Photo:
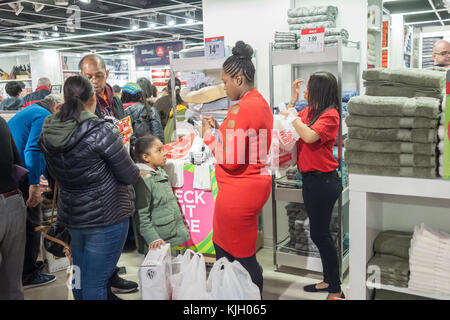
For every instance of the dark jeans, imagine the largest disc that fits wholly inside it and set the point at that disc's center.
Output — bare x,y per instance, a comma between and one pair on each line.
95,252
320,193
250,264
31,268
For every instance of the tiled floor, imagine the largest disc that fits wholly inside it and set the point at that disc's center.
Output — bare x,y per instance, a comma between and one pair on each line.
277,285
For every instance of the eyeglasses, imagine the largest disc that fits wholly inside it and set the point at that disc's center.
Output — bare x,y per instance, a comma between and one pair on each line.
98,76
443,53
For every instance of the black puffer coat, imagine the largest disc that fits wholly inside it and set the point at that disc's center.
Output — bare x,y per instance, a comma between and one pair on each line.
95,175
144,124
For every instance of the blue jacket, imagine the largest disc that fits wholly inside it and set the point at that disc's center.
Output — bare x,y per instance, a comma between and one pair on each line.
26,127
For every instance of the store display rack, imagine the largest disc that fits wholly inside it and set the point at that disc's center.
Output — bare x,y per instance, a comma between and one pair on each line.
381,203
337,56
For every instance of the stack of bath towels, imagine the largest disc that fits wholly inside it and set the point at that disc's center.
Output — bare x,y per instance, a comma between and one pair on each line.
285,41
389,265
317,17
429,261
395,135
299,231
371,50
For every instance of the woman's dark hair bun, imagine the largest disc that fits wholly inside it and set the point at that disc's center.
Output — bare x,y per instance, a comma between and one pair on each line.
243,50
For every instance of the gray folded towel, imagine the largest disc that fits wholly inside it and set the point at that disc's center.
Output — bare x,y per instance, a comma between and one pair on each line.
330,11
394,243
390,264
413,172
390,146
408,135
354,120
308,19
415,77
390,159
394,106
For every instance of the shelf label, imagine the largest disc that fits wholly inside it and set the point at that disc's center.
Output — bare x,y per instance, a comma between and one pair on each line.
215,48
312,40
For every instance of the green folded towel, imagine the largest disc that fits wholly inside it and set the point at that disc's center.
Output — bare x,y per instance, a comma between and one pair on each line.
412,76
390,146
354,120
394,243
395,106
390,159
408,135
397,91
413,172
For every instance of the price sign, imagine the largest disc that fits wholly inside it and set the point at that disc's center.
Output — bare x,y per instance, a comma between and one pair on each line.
312,40
215,48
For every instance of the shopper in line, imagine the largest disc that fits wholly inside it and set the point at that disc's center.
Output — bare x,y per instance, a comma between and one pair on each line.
95,174
441,53
318,126
164,104
12,219
158,215
145,118
43,89
26,127
235,222
149,89
14,102
93,67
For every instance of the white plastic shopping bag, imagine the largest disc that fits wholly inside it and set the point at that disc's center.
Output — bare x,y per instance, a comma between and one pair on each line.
230,281
154,274
287,135
190,282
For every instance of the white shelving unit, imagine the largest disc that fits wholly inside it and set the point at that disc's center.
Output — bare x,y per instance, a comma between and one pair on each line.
336,56
381,203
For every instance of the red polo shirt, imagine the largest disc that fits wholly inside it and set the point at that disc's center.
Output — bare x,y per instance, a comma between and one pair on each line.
318,156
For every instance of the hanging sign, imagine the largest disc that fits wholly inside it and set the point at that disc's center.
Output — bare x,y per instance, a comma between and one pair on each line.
215,48
156,54
312,40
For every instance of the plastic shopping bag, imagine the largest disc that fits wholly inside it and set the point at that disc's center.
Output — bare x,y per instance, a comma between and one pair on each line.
154,274
287,136
230,281
190,282
279,158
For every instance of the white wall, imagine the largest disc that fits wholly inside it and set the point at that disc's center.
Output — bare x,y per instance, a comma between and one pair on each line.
396,44
255,22
46,64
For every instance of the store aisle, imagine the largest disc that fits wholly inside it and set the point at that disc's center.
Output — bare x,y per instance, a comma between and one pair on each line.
277,285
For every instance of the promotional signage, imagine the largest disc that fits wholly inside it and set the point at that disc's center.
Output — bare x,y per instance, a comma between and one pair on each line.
312,40
156,54
215,48
197,207
446,174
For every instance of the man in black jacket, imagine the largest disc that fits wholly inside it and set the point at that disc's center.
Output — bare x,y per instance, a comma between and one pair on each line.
93,67
13,215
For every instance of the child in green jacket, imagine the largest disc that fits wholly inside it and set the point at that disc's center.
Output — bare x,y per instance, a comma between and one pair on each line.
158,216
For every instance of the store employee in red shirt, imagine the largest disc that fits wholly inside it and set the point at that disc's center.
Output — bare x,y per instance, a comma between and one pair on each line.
318,126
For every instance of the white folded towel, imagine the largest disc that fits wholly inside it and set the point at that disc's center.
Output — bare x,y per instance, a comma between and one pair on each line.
202,177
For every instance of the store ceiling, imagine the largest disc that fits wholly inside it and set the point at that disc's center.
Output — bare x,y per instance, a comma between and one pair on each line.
420,13
102,26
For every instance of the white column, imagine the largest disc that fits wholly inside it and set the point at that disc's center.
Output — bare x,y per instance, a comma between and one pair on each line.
396,41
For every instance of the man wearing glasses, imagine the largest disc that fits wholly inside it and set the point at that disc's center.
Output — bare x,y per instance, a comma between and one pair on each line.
93,67
441,53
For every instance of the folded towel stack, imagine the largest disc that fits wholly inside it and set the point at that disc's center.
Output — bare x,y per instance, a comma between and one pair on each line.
390,264
395,135
371,51
299,231
285,40
429,261
317,17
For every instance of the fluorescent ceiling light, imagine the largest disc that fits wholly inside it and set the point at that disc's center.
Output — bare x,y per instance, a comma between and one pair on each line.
189,21
41,35
134,24
86,1
152,25
55,35
55,28
62,2
171,23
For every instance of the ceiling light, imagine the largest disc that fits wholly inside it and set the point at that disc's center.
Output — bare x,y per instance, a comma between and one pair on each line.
189,21
151,24
38,7
62,2
86,1
171,23
134,24
55,34
55,28
17,6
41,35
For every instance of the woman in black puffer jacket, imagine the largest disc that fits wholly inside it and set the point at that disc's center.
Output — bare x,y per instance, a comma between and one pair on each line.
95,174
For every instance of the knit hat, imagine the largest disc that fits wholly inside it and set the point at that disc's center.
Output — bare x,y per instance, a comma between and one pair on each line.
132,88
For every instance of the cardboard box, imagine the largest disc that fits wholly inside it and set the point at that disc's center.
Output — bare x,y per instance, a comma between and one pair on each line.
154,274
54,264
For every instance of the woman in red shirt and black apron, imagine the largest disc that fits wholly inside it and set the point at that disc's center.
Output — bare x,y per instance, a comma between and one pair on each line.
318,126
241,151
